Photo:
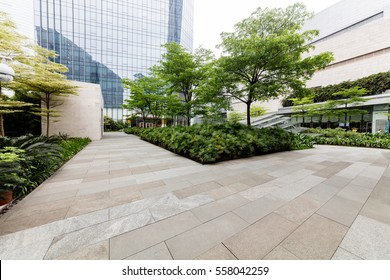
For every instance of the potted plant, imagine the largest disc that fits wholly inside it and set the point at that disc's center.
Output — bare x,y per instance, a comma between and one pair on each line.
11,173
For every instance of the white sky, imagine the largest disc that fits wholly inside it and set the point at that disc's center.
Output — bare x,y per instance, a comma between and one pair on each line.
212,17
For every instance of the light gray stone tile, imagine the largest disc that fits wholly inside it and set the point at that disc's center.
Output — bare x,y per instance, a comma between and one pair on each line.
76,240
280,253
257,192
341,210
260,208
355,193
157,252
172,206
316,239
377,209
368,239
34,251
212,210
256,241
342,254
98,251
199,240
323,192
219,252
363,181
299,209
128,244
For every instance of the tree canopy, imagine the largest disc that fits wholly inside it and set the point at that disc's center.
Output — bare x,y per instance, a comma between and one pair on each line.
184,74
263,58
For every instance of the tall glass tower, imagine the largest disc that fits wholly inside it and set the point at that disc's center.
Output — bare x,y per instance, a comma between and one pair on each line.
103,41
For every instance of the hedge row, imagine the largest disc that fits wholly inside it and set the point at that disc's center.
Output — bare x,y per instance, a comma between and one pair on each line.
210,143
374,84
349,138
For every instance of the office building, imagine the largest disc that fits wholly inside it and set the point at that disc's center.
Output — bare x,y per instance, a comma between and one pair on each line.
104,41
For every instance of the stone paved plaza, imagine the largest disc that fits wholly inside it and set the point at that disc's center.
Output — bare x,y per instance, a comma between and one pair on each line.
122,198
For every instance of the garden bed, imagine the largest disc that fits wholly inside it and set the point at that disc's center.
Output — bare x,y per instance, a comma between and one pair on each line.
210,143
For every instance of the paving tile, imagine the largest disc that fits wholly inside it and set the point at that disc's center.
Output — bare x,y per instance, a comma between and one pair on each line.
342,254
363,181
332,170
257,192
238,187
280,253
197,189
128,244
35,251
172,206
220,193
323,192
22,223
98,251
374,172
258,209
299,209
212,210
157,252
355,193
316,239
378,209
341,210
256,241
368,239
199,240
70,242
219,252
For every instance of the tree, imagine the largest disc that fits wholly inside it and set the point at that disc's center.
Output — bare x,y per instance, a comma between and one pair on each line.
184,73
302,106
11,43
262,58
43,79
350,97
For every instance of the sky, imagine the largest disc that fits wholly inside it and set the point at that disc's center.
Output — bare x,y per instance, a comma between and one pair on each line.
212,17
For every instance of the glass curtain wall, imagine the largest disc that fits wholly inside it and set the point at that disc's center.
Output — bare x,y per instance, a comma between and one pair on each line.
103,41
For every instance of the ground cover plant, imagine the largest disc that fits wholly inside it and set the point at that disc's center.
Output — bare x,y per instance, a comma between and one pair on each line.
25,162
341,137
210,143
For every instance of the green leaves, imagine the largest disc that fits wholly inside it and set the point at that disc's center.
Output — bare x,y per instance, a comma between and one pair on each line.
263,57
209,143
349,138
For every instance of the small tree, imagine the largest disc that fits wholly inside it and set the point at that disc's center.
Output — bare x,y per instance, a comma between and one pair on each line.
350,97
43,79
11,43
302,106
147,97
184,73
262,58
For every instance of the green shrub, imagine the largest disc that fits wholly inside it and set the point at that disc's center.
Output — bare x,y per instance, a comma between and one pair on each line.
29,160
374,84
350,138
209,143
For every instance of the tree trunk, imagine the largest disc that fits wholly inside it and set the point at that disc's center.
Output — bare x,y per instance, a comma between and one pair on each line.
188,116
248,113
1,116
47,101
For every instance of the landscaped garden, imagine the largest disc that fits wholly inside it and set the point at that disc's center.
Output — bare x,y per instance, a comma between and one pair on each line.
341,137
210,143
27,161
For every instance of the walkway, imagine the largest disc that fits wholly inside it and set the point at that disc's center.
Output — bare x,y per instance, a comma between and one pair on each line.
122,198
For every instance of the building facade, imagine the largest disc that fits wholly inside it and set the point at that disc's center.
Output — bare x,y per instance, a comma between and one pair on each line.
104,41
357,32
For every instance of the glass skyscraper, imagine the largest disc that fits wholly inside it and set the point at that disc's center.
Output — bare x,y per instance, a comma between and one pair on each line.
103,41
